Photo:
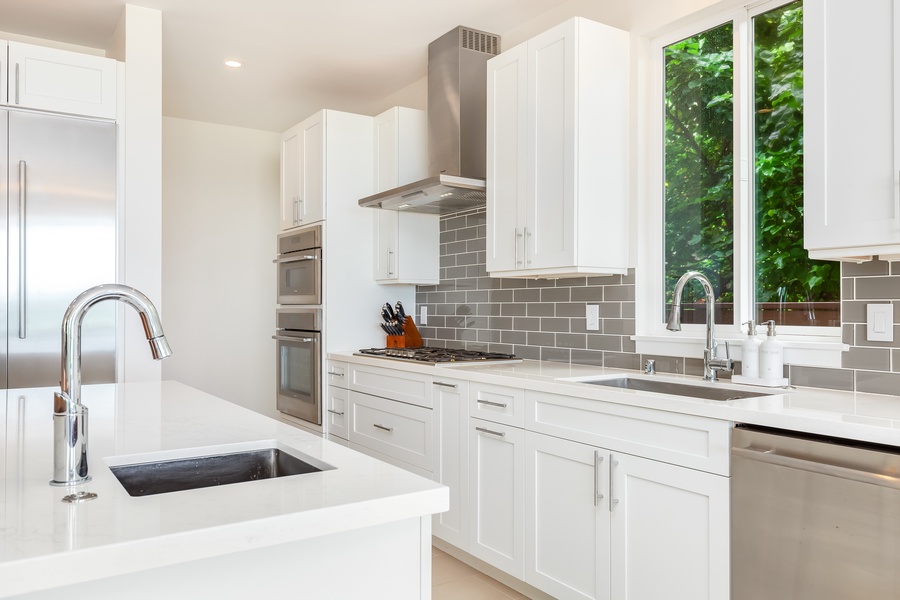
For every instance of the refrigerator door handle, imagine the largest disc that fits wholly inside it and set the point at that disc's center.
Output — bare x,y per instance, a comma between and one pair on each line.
22,199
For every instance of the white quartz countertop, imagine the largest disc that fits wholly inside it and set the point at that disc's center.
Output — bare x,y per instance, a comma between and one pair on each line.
855,416
46,543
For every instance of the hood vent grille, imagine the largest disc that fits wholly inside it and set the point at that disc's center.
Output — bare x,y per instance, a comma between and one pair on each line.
479,41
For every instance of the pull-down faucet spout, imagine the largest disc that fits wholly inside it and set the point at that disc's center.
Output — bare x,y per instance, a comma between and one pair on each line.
711,363
70,465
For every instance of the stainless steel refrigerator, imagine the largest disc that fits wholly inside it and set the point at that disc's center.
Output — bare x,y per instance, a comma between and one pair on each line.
57,238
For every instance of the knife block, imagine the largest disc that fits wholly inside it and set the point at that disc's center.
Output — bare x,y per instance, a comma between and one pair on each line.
413,337
396,341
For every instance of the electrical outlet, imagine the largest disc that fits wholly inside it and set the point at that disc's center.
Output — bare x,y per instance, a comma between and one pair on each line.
423,315
592,314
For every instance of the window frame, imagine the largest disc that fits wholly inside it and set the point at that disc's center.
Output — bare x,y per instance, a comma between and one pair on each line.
819,346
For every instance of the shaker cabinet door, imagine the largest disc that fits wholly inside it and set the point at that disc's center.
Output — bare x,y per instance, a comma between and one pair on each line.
61,81
851,130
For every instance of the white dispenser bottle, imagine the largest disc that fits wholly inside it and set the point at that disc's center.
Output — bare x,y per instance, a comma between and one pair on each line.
750,352
771,355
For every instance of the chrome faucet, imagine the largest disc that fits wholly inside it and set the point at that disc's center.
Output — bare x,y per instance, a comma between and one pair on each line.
70,465
711,363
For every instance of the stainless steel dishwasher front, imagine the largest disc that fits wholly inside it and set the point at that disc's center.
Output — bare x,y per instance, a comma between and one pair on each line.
813,518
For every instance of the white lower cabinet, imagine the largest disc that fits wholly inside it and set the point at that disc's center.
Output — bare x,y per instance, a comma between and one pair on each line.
396,429
566,518
451,467
337,412
602,524
497,495
670,531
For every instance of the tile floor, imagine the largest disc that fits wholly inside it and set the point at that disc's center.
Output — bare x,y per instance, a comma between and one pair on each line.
452,579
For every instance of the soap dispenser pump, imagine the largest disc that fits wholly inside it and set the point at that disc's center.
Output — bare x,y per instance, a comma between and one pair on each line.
771,355
750,351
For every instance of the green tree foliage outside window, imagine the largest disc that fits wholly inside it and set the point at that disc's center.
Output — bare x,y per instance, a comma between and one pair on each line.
699,162
785,273
699,167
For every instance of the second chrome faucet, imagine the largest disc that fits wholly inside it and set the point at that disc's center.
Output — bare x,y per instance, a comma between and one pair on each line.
711,363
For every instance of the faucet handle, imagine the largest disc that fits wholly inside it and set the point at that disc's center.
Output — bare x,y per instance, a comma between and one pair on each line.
727,350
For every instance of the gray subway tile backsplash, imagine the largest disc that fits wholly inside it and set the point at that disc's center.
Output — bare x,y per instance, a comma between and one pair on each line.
544,319
834,379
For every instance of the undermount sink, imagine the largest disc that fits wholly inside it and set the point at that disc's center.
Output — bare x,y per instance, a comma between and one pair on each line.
193,472
677,389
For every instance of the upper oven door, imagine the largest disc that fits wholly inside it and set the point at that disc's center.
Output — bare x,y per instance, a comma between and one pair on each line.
300,277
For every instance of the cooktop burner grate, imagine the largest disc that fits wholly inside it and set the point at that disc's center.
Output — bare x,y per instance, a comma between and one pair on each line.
437,355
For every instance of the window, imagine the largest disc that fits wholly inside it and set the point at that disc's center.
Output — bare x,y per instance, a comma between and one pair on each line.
728,194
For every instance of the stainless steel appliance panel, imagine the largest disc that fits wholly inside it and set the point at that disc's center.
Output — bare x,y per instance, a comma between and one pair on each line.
299,266
813,519
298,342
61,240
299,374
4,190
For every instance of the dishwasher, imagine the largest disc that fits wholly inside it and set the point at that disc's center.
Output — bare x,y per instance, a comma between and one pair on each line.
813,518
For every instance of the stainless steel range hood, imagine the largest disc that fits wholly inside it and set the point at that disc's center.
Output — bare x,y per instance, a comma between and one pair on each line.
457,128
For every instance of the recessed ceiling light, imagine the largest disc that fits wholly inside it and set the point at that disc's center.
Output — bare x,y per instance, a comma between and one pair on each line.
234,64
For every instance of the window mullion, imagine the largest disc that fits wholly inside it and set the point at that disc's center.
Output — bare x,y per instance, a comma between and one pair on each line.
744,235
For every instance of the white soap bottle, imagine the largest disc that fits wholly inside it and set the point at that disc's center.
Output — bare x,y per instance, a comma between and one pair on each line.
771,355
750,352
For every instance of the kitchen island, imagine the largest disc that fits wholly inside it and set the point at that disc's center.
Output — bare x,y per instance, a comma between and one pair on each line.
360,529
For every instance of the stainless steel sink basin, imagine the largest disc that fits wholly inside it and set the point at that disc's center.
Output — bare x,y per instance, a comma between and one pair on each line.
677,389
175,475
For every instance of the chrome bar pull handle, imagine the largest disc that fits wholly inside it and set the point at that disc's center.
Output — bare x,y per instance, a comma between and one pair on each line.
489,403
597,495
388,429
442,384
612,499
390,255
497,433
17,83
516,239
338,413
22,205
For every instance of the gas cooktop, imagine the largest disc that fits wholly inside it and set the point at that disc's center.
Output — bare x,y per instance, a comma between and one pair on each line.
440,356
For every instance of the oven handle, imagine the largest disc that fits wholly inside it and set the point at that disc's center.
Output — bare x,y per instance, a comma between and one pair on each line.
284,338
767,456
296,258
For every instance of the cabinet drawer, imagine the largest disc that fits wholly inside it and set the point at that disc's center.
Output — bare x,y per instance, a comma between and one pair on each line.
337,412
686,440
337,374
393,384
399,430
497,403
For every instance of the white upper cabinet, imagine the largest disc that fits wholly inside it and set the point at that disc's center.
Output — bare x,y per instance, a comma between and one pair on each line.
58,80
851,139
4,69
406,244
303,173
290,176
558,158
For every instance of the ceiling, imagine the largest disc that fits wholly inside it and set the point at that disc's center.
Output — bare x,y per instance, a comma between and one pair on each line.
299,55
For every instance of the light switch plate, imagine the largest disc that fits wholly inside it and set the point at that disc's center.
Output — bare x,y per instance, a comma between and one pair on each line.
880,322
592,314
423,315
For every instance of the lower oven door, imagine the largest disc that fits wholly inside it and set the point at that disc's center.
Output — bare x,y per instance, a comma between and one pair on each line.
299,372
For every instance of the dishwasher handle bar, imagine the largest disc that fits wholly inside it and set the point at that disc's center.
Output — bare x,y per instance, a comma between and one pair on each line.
767,456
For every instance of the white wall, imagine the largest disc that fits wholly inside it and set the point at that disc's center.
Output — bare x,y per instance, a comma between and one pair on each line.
220,215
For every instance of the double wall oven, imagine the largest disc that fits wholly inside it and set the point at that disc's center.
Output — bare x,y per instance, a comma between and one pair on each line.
298,324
